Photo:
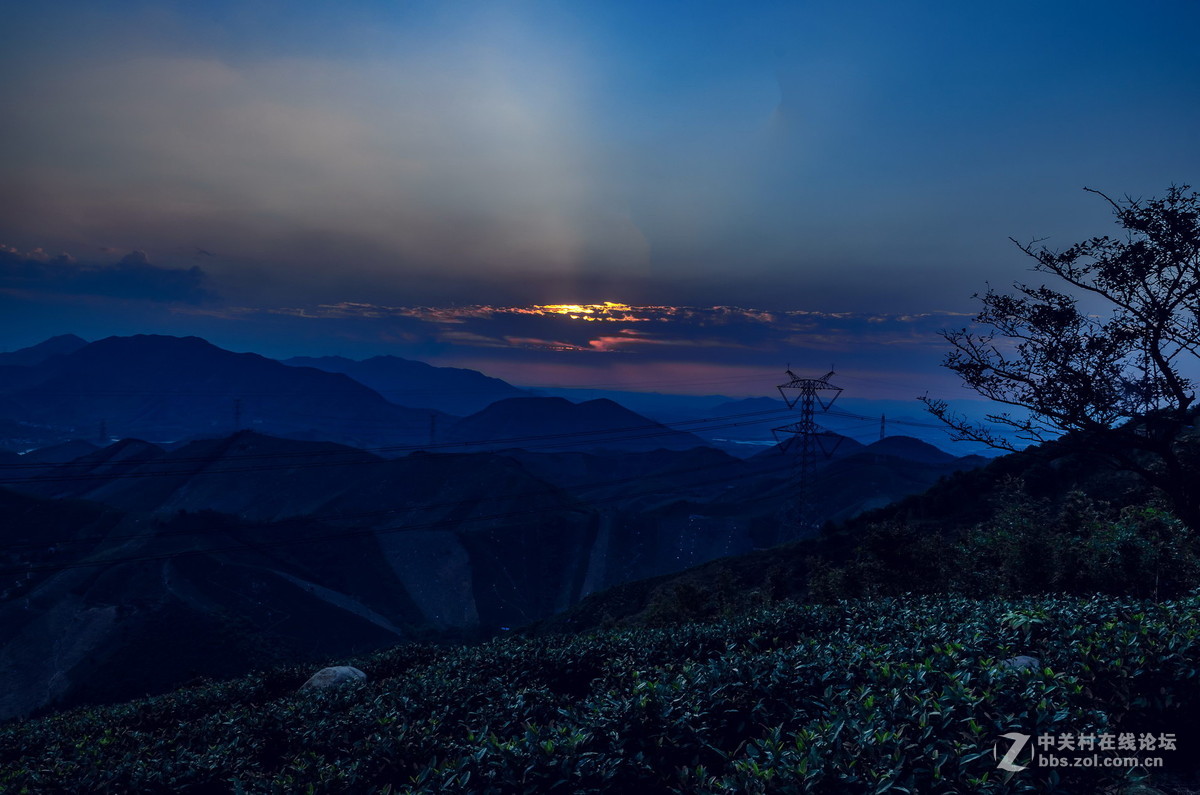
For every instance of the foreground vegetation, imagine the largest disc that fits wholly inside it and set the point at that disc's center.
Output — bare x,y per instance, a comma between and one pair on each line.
1074,544
882,695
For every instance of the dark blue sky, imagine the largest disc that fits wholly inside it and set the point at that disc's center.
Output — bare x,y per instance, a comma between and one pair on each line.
854,159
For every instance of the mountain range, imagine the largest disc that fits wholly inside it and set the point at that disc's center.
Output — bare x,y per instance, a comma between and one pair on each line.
168,389
277,548
191,546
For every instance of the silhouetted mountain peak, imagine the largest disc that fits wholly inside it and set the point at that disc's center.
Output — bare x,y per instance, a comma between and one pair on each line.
557,409
166,388
34,355
61,343
525,403
126,448
61,453
388,359
158,345
416,384
147,340
829,445
605,403
911,449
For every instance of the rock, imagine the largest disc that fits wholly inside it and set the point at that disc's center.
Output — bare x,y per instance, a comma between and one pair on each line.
1141,789
1020,663
335,675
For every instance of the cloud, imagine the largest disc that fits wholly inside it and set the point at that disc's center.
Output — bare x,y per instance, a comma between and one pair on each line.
132,277
475,156
533,152
651,331
459,161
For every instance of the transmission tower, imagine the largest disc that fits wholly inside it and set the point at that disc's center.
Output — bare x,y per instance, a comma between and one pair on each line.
803,439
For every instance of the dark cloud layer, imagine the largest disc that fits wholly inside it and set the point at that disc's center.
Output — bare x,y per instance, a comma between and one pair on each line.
536,152
131,277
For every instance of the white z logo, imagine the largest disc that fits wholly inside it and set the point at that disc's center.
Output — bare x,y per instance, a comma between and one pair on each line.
1019,741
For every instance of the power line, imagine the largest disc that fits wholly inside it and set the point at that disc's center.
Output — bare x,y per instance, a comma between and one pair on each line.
670,428
107,476
547,440
442,523
894,421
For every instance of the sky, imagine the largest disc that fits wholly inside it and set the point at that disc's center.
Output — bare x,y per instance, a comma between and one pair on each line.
722,189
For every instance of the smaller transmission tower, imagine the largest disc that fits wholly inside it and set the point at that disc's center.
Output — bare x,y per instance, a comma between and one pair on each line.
803,438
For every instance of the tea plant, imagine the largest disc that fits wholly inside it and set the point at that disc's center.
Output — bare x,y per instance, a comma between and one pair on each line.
903,694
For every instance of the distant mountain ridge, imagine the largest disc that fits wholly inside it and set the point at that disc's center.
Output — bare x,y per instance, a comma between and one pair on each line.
166,388
417,384
36,354
284,536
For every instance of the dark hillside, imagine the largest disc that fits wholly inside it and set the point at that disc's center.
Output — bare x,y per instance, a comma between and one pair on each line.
325,557
196,595
1055,504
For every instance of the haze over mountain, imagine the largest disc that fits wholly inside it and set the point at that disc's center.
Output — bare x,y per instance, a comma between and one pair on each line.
275,547
405,382
563,425
298,542
748,422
